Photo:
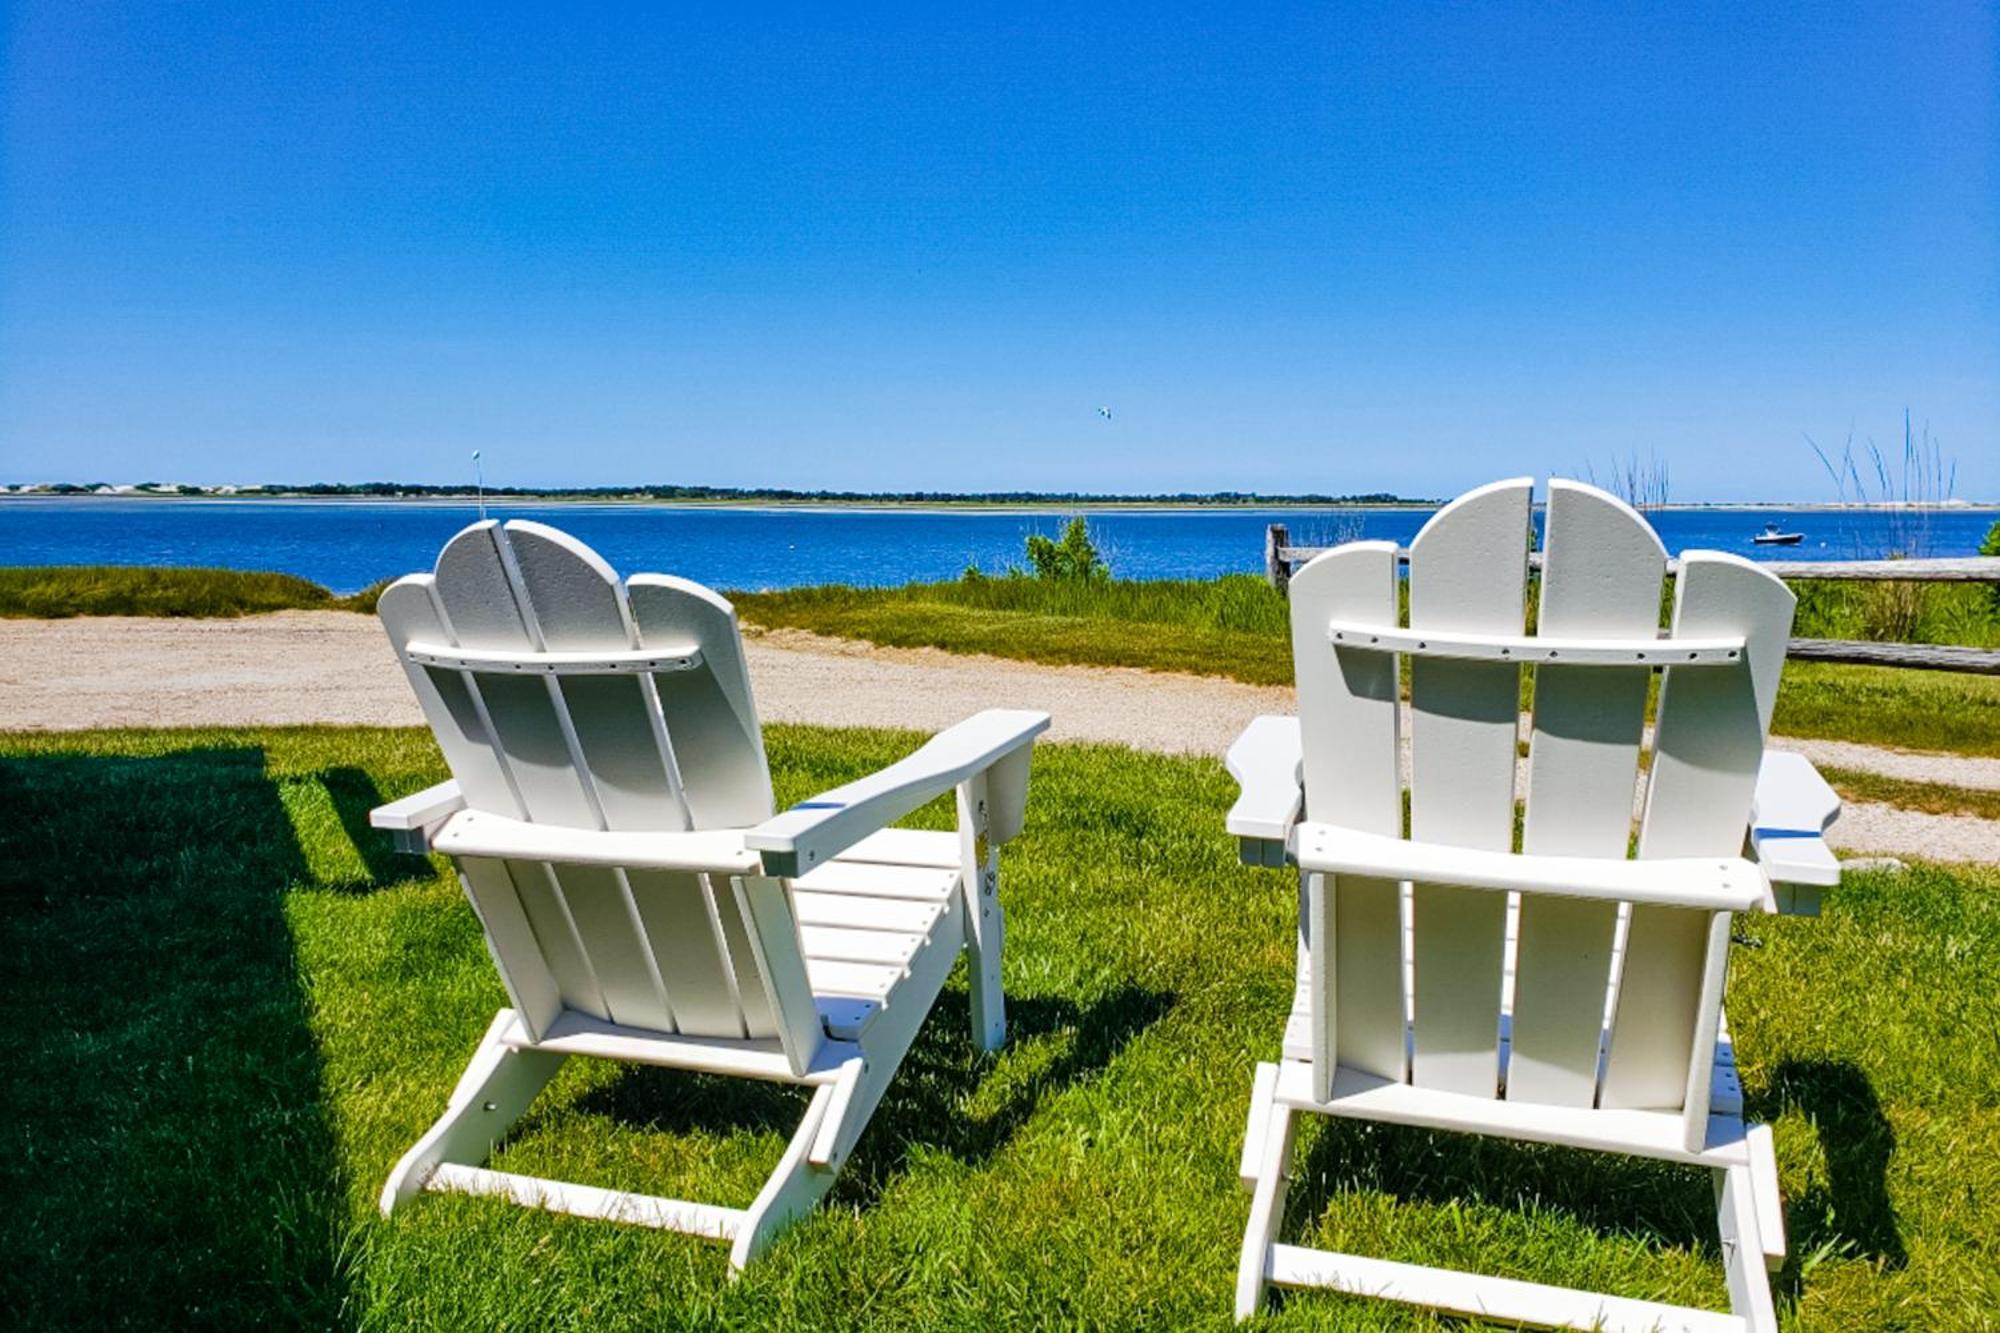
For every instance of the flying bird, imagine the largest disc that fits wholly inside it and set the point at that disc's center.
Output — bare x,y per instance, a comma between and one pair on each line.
1104,412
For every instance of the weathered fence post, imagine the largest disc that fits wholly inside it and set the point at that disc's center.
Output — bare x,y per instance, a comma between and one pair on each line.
1276,568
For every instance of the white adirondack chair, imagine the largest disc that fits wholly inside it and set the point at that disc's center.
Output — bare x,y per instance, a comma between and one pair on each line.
1566,993
610,817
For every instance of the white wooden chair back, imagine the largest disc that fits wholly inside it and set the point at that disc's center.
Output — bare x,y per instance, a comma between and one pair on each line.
1432,1016
562,697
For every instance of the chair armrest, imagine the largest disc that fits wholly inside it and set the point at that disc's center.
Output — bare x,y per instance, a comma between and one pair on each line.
1264,760
816,831
412,821
477,833
1708,883
1789,815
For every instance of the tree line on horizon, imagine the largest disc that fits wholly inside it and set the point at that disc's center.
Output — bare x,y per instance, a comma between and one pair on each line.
403,489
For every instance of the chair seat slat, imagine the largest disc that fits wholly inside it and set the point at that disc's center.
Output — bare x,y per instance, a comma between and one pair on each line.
845,944
862,913
917,883
868,981
906,847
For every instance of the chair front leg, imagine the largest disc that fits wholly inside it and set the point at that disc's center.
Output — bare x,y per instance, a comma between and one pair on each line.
1267,1200
1743,1250
495,1089
795,1186
985,925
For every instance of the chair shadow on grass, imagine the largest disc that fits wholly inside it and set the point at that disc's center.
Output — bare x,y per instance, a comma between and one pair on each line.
1848,1213
353,793
164,1139
947,1095
1609,1194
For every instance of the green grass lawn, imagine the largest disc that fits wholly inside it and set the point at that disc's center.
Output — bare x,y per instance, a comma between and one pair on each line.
229,1008
1234,626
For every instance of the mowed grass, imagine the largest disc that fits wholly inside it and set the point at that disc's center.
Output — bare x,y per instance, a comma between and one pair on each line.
57,592
1235,626
229,1007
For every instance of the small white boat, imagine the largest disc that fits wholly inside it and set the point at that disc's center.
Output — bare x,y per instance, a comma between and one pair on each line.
1771,536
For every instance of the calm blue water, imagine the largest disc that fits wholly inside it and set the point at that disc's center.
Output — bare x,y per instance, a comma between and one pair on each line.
347,545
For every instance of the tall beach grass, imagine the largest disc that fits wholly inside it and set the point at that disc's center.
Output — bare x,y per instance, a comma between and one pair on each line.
57,592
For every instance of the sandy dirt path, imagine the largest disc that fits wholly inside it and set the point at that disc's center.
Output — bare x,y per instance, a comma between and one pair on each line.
336,667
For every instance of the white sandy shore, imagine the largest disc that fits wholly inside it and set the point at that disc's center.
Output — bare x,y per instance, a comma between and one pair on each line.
298,667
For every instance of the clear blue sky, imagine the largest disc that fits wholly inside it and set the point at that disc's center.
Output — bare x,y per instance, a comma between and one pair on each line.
1329,248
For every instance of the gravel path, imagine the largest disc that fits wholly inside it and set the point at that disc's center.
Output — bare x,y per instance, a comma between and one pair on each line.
1958,770
335,667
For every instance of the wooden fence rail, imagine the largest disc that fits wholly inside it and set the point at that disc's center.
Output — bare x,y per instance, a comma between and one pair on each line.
1280,557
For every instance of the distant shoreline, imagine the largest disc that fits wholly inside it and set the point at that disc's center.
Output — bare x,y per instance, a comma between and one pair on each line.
1026,504
940,506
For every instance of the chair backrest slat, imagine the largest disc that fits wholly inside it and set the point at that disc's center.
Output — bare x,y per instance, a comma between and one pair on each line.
679,914
1708,742
1709,739
484,607
524,968
635,751
616,945
1602,567
1659,988
717,741
450,700
1349,721
575,604
1468,572
558,936
785,995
